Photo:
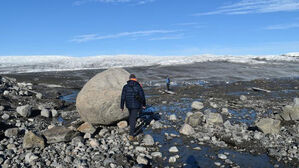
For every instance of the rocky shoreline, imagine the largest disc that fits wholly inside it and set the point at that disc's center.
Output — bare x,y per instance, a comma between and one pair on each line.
39,129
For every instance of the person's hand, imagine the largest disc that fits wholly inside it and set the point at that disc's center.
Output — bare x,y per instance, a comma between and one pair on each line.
122,109
144,107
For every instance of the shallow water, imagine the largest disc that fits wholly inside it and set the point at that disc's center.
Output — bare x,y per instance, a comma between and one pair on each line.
190,157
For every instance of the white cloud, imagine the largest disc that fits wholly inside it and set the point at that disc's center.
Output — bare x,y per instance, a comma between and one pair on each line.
90,37
136,2
255,6
283,26
170,37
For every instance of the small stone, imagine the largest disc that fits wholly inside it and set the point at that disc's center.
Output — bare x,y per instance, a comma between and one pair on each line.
5,116
197,105
269,125
54,113
94,143
77,140
11,132
140,149
142,160
157,154
222,156
197,148
148,140
224,111
243,98
45,113
24,111
172,117
214,118
31,140
122,124
87,136
172,159
59,134
214,105
217,163
173,149
39,96
86,128
2,108
187,130
30,158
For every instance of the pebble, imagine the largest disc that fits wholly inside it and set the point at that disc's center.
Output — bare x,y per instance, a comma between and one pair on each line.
173,149
222,156
142,160
172,159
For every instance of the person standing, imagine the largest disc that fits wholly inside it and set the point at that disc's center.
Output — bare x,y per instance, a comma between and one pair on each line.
133,97
167,83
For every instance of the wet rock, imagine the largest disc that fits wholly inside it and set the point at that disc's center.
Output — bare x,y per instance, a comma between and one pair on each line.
45,113
187,130
157,125
243,98
172,117
195,119
269,125
214,118
142,160
59,134
103,92
11,132
148,140
157,154
122,124
86,128
31,141
172,159
5,116
197,105
222,156
24,111
173,149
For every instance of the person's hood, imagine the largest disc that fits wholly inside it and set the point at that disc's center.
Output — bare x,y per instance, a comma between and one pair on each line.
132,82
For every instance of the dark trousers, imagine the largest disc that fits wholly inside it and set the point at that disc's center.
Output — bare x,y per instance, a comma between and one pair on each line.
133,113
167,86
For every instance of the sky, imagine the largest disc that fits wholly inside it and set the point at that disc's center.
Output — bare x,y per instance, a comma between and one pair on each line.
148,27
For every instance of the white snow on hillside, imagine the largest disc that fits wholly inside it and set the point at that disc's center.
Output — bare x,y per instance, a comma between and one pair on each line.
19,64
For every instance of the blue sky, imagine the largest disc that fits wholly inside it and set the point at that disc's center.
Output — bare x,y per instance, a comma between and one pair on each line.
149,27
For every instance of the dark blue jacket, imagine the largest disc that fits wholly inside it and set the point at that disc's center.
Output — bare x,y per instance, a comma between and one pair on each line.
129,91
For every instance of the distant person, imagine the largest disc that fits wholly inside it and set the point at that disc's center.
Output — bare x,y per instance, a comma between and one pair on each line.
133,95
167,83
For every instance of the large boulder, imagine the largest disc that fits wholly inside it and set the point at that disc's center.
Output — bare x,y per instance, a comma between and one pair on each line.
269,125
99,100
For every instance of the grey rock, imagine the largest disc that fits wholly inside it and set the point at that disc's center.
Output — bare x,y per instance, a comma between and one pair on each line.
197,105
30,158
214,118
45,113
31,140
172,159
77,140
222,156
122,124
59,134
54,113
187,130
173,149
157,125
86,128
11,132
142,160
103,92
2,108
24,111
172,117
194,119
39,95
243,98
269,125
140,149
5,116
157,154
148,140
